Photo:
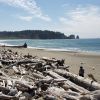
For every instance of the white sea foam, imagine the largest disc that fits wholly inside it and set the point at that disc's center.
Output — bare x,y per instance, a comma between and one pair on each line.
6,44
56,49
65,50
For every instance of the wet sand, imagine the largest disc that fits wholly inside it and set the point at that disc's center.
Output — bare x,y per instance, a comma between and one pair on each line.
91,61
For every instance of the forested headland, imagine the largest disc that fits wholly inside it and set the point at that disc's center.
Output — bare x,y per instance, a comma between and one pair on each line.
35,34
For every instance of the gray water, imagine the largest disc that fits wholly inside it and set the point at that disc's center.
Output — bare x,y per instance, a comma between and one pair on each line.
88,45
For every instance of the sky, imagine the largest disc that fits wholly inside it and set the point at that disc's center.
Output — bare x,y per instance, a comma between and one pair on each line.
80,17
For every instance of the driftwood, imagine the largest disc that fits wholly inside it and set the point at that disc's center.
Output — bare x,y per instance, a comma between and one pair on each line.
25,61
7,61
3,73
92,77
23,86
41,79
51,80
16,70
71,85
4,89
22,70
7,97
48,59
1,64
37,75
70,95
14,46
84,82
60,94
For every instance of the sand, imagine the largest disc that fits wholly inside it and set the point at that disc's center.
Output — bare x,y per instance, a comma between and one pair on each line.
91,61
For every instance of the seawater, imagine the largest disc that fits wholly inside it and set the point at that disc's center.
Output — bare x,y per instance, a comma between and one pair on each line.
87,45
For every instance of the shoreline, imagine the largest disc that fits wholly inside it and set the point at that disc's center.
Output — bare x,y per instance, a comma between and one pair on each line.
94,53
91,61
65,50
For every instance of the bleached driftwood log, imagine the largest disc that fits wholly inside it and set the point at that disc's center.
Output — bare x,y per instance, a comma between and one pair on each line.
37,75
3,73
22,70
69,83
56,92
84,82
22,84
16,70
60,94
7,61
25,61
50,80
48,59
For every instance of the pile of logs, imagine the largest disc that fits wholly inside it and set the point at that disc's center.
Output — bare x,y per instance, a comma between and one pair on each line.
24,77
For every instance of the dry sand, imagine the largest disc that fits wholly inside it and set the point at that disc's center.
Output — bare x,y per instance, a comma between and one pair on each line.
91,61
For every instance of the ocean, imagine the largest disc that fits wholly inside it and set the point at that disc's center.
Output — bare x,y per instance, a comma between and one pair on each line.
83,45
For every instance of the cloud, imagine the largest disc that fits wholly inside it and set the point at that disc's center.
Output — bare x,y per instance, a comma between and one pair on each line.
28,5
25,18
84,21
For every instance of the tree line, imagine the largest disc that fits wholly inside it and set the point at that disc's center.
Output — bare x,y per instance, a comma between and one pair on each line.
35,34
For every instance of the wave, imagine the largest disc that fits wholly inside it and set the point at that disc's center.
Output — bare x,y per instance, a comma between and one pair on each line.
76,50
55,49
56,45
6,44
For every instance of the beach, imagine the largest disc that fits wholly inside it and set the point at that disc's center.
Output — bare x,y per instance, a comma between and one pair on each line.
90,61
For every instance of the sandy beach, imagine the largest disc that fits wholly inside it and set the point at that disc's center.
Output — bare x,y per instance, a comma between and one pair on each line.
91,61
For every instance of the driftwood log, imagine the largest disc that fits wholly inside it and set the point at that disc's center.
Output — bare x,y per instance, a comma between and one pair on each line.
69,83
37,75
25,61
61,94
84,82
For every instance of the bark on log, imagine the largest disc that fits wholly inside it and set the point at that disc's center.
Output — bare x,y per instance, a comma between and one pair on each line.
84,82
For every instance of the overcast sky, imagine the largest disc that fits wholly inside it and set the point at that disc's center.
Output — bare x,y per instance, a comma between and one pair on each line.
80,17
